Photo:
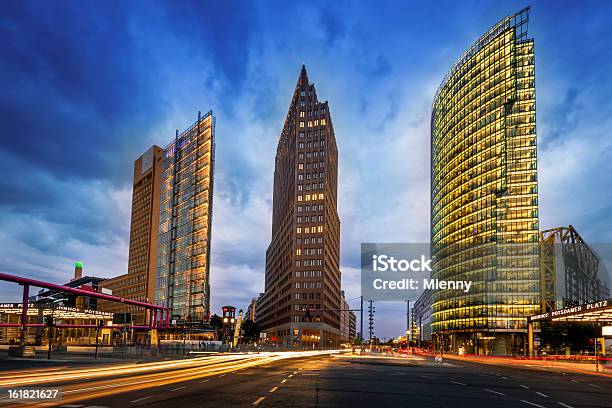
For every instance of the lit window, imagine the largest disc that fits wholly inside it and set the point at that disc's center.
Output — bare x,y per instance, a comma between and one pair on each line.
300,166
320,196
299,198
323,122
299,230
302,114
301,124
298,251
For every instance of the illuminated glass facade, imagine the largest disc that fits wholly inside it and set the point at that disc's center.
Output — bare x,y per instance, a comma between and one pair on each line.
185,222
484,209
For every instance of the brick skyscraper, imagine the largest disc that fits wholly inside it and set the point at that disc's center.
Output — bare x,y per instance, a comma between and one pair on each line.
302,290
139,282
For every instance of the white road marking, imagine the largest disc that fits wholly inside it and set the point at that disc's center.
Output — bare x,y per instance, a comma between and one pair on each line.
542,394
505,378
494,392
179,388
575,381
141,399
524,386
284,381
222,375
533,404
273,389
206,380
594,385
458,383
290,375
564,404
427,376
258,400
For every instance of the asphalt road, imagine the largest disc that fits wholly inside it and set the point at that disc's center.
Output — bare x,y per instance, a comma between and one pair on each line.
344,381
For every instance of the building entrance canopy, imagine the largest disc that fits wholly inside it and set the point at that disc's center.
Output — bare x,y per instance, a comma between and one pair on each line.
600,311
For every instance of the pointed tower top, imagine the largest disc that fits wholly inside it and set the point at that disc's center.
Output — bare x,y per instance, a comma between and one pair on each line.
303,80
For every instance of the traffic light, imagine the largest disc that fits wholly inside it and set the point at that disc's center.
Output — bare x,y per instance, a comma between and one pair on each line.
48,320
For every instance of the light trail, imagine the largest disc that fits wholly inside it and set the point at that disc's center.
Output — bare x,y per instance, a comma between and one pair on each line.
133,377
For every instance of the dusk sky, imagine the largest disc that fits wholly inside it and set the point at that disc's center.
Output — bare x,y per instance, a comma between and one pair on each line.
87,87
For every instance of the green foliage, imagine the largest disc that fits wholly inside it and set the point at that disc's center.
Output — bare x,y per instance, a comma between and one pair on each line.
216,322
557,336
251,330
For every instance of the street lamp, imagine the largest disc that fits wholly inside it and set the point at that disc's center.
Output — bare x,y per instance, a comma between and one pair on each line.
51,324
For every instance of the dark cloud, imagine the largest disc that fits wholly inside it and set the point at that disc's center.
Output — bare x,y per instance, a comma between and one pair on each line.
72,75
223,32
332,24
566,114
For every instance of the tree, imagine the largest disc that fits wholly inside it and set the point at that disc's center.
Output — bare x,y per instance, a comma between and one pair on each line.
216,322
251,330
558,336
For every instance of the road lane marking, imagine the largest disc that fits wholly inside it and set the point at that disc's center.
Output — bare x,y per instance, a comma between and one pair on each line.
206,380
290,375
258,400
564,404
141,399
428,376
494,392
504,378
273,389
575,381
595,385
179,388
222,375
533,404
458,383
542,394
524,386
284,381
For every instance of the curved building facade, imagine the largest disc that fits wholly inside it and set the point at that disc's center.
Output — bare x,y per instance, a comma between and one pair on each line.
484,208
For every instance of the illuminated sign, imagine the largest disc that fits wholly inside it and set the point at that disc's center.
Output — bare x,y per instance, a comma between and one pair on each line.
554,314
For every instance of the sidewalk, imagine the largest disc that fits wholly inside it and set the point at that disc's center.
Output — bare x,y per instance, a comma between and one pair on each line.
589,367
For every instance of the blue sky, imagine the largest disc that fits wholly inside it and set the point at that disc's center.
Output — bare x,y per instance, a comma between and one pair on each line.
87,87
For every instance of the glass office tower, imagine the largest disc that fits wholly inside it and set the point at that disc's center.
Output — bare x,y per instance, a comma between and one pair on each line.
484,208
185,223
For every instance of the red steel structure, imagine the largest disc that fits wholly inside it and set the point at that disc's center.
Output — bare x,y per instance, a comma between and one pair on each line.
159,316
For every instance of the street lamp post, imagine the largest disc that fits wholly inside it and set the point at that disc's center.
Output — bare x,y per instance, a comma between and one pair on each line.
98,327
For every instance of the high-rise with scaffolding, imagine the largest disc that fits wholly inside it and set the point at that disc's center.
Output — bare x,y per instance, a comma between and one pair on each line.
301,304
183,263
484,193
